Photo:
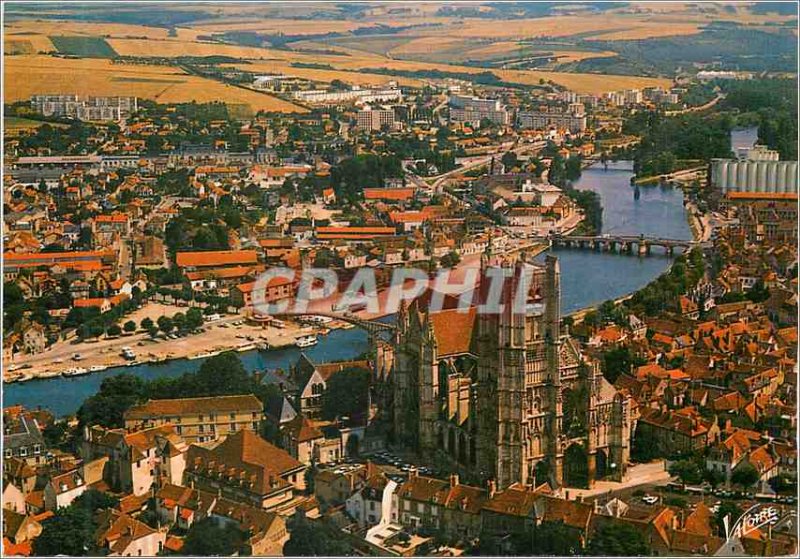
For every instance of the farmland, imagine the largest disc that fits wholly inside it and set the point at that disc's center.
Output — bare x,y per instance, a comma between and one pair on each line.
86,47
577,49
28,75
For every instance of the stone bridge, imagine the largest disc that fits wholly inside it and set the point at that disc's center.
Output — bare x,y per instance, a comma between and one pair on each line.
372,327
621,243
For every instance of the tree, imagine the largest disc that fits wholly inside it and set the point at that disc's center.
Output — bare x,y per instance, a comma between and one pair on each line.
553,538
146,323
618,539
346,394
746,476
69,532
179,320
165,324
130,326
207,538
509,160
729,509
194,318
115,396
688,471
310,539
114,330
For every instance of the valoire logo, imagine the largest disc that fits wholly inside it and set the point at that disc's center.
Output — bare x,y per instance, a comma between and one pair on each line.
756,517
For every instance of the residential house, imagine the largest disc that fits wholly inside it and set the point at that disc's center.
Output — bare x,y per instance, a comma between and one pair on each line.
138,460
199,420
246,468
119,535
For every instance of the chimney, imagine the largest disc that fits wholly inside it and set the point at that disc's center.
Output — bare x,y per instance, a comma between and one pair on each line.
453,480
492,488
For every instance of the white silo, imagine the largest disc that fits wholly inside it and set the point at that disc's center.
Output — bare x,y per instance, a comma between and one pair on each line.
730,180
752,179
761,175
792,186
783,176
772,177
742,175
723,176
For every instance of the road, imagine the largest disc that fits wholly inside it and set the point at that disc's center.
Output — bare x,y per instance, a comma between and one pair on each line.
651,474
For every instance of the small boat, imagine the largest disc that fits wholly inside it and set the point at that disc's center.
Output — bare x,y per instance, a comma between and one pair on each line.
49,374
262,346
246,347
75,371
25,377
306,341
324,331
97,368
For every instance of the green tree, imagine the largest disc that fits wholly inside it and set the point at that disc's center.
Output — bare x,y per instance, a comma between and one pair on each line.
116,395
746,476
165,324
70,532
729,509
208,538
688,471
130,326
146,323
310,539
114,330
616,540
554,538
346,394
194,318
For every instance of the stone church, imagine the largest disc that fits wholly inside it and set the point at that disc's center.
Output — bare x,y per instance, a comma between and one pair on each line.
505,395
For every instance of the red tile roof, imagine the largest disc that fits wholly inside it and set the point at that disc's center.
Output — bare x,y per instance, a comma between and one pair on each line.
216,258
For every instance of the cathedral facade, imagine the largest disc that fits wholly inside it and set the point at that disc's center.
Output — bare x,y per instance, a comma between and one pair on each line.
504,395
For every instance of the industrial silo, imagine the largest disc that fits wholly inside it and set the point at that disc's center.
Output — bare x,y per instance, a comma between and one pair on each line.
761,175
783,176
752,179
772,177
730,180
792,186
722,181
741,175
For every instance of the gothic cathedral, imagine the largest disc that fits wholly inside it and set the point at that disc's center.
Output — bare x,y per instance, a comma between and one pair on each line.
504,395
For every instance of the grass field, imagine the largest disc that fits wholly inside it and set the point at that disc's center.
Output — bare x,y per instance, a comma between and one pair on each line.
86,47
15,124
28,75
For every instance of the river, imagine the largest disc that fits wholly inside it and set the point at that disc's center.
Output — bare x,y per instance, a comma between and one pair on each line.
587,278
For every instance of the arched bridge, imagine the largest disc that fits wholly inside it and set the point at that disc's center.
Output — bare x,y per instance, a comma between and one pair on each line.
623,243
372,327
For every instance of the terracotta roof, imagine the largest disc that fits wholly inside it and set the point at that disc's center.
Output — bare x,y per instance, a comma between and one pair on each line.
389,193
116,530
193,406
571,513
514,501
453,331
425,489
248,456
302,430
216,258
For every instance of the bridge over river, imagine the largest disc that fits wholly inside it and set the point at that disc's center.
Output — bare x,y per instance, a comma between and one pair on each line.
621,243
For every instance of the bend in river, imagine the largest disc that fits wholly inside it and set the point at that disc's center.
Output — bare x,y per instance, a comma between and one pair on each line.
587,278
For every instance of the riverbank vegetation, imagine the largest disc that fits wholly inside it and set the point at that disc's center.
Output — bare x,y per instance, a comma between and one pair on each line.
770,104
673,143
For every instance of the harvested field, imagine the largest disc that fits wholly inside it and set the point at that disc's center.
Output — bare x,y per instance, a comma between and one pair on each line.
28,75
174,48
27,43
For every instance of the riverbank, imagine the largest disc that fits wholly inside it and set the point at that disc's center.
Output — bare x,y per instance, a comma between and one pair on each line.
232,333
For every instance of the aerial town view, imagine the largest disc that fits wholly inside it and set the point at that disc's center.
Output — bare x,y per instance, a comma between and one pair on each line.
400,279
